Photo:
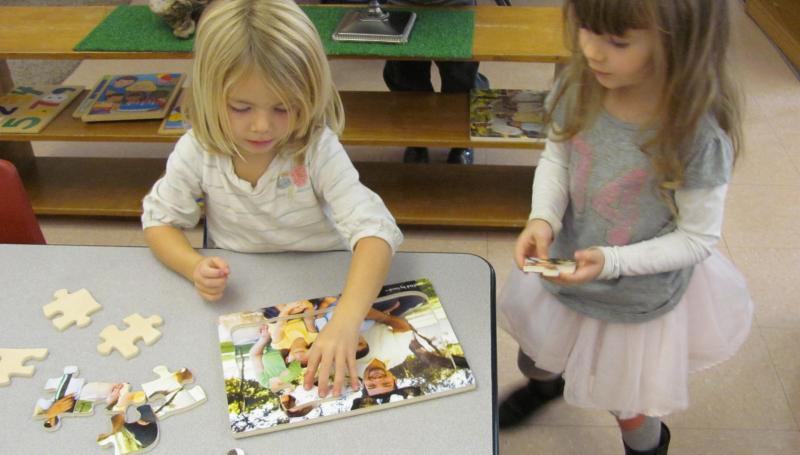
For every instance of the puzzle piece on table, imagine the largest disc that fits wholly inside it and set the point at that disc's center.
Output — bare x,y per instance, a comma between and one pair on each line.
66,391
74,308
12,363
115,396
137,436
124,341
171,387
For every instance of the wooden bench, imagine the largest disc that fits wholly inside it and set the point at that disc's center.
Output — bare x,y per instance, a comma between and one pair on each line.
424,195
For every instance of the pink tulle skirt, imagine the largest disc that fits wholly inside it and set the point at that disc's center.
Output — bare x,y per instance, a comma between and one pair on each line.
631,368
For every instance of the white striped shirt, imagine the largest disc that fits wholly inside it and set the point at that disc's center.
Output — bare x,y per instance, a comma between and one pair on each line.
318,206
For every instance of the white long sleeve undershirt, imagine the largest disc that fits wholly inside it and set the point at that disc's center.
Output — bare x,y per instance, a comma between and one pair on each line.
698,229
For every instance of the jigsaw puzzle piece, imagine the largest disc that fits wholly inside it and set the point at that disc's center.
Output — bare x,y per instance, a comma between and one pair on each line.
73,308
66,390
12,363
137,436
124,341
171,387
116,397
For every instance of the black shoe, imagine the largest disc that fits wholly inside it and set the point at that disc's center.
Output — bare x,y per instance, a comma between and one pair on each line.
526,400
661,449
416,155
461,156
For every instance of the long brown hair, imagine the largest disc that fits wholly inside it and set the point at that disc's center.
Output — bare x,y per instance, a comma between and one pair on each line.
694,37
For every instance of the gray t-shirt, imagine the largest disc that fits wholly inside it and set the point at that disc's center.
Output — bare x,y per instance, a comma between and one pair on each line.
613,201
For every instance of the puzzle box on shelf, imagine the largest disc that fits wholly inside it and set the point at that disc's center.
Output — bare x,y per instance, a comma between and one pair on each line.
176,122
28,109
507,115
407,352
131,97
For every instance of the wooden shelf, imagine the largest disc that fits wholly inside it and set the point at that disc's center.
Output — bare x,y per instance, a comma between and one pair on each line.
372,118
780,21
417,194
519,33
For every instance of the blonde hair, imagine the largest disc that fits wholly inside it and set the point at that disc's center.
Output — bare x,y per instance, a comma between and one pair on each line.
694,37
277,40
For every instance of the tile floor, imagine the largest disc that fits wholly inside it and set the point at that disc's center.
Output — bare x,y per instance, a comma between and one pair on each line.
750,404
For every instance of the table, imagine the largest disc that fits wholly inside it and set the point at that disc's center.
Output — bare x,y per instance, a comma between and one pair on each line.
129,279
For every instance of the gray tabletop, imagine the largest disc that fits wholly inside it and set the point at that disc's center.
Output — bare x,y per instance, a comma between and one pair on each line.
128,279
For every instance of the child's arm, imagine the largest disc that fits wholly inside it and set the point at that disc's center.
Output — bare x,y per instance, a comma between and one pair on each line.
335,347
549,202
172,205
170,245
699,228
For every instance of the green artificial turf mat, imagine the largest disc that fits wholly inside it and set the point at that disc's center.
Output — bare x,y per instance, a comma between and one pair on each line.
437,33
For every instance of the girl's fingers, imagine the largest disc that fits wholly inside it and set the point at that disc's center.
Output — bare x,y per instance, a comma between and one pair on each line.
323,374
354,384
311,369
213,283
338,377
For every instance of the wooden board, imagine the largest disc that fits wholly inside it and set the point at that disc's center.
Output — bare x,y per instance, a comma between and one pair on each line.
780,20
520,33
371,118
476,196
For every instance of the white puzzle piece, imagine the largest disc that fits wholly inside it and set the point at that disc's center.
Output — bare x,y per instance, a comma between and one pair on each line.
65,394
12,363
171,388
124,341
137,436
73,308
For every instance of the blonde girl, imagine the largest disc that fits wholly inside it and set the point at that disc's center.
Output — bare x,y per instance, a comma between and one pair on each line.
644,130
264,156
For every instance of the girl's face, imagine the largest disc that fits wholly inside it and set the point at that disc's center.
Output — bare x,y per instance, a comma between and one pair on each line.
617,62
257,117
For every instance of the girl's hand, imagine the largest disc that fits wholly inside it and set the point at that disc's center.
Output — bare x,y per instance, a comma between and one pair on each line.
210,277
589,264
534,240
335,348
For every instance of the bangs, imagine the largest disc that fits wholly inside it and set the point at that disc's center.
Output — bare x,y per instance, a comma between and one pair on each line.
611,17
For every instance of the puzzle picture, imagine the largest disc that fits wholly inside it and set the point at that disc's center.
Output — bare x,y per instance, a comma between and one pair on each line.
549,267
407,352
12,363
170,395
137,436
64,391
115,396
124,341
71,308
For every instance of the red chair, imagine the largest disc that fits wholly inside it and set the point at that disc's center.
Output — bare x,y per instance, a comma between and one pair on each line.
18,224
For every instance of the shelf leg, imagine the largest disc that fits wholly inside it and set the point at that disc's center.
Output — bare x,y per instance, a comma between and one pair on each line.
19,153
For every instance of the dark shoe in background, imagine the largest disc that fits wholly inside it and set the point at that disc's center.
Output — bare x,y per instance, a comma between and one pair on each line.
416,155
525,401
461,156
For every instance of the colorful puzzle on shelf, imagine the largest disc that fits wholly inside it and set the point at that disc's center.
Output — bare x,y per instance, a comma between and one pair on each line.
507,115
28,109
408,352
132,97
